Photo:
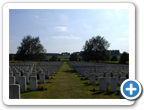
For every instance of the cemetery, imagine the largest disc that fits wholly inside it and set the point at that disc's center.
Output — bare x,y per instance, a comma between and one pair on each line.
66,80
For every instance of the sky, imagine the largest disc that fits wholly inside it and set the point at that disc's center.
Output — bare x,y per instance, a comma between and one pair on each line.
67,30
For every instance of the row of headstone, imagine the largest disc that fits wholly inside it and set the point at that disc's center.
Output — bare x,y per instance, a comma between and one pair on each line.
91,71
99,68
14,89
18,82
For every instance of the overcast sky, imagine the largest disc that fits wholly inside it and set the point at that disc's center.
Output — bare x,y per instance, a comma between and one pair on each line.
66,30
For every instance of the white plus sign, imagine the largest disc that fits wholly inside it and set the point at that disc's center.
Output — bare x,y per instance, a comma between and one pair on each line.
131,89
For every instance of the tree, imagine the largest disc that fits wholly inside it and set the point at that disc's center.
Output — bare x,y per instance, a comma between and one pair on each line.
73,57
124,57
114,58
96,49
54,58
11,56
30,49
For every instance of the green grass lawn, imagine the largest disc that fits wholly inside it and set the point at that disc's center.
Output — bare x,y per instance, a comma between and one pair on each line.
68,85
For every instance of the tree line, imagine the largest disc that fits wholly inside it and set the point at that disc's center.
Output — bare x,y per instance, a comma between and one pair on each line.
95,49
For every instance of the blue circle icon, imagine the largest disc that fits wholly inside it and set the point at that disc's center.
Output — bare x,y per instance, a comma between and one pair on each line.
130,89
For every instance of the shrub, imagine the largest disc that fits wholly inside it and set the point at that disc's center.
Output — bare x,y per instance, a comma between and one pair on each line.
54,58
11,56
73,57
114,58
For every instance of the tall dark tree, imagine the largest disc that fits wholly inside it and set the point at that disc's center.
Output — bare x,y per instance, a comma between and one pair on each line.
73,57
30,49
11,56
114,58
124,57
54,58
96,49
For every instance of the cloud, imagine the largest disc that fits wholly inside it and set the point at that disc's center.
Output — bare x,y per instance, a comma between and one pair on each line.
65,37
36,16
61,28
124,38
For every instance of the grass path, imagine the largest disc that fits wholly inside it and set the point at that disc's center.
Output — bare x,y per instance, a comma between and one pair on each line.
67,85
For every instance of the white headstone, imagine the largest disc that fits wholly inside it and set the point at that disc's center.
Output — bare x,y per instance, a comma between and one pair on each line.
14,91
12,80
33,83
41,78
100,75
27,78
115,75
17,75
113,84
121,81
102,84
86,74
22,82
92,78
108,78
10,73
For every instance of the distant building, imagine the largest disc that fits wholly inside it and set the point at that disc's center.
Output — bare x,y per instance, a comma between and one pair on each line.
65,54
78,53
51,54
114,52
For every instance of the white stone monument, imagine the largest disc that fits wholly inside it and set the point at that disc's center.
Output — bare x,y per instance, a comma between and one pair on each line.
108,78
92,78
33,83
27,77
113,84
102,84
121,81
14,91
41,78
22,82
12,80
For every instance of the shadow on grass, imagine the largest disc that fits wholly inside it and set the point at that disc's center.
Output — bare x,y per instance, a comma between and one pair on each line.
108,93
48,82
84,78
118,93
28,90
97,93
70,71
